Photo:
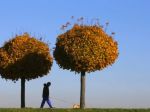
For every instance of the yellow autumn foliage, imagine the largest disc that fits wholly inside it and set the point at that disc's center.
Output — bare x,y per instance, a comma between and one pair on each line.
24,57
85,48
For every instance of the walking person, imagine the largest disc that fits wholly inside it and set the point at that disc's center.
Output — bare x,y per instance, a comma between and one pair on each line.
45,95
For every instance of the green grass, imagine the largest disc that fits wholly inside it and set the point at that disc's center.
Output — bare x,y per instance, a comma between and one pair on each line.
72,110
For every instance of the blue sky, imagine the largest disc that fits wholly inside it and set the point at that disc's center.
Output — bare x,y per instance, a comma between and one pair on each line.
123,85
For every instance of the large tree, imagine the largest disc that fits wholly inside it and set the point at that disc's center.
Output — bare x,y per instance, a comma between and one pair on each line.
85,48
24,57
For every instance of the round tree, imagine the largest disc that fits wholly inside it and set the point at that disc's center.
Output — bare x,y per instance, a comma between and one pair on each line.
85,48
24,57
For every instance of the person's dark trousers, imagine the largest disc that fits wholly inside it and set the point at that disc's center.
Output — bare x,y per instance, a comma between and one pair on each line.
48,102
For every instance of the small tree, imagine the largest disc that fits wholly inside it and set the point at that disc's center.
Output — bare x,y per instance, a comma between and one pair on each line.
85,48
25,58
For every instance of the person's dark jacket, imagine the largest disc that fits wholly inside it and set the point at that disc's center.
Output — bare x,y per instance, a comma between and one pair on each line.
45,91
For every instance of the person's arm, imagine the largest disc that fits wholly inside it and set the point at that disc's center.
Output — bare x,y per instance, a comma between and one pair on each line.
48,93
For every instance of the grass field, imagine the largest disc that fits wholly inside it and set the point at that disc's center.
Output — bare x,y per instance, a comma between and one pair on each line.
74,110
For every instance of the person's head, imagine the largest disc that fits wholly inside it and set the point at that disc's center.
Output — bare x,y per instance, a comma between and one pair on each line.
48,83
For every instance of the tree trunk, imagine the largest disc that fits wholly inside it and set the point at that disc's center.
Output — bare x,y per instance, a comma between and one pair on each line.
82,91
22,92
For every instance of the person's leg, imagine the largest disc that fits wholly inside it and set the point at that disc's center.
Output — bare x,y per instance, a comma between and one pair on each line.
43,102
49,103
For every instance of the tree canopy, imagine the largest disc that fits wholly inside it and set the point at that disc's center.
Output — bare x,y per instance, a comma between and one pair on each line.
24,57
85,48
